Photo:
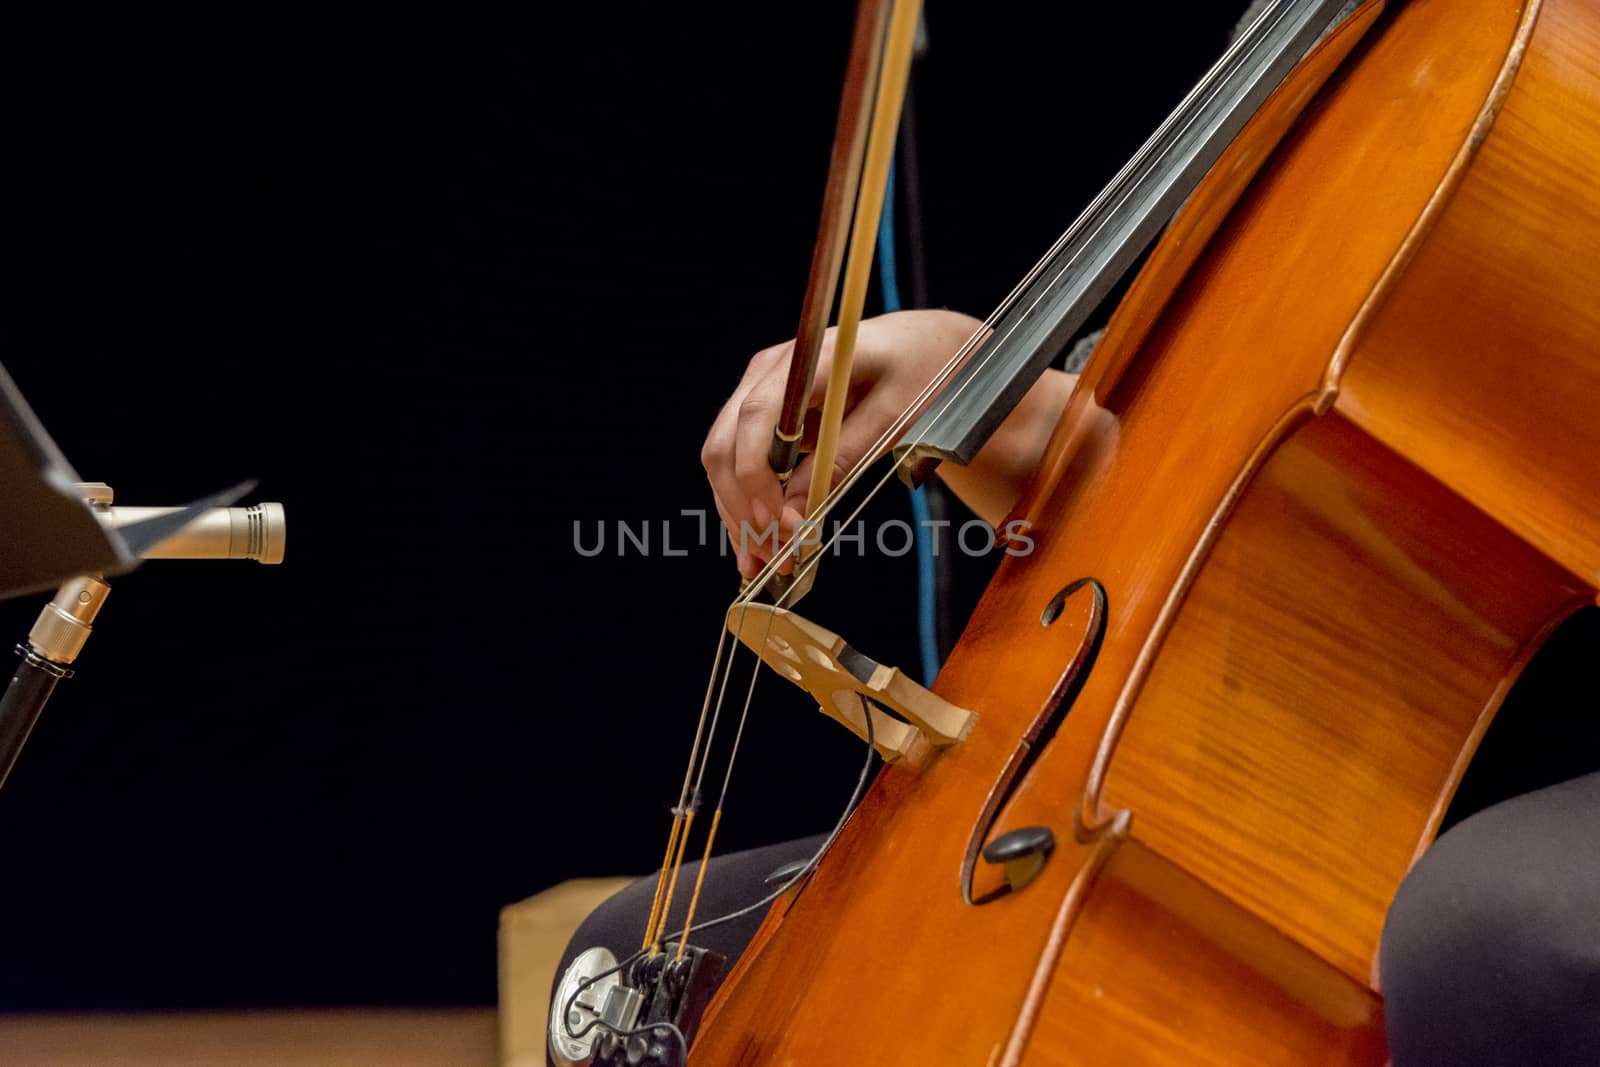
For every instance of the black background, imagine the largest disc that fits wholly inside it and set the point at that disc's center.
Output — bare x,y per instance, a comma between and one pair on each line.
446,287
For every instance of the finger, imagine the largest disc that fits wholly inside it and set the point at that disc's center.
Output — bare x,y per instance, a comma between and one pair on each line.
757,419
752,469
760,407
718,454
746,565
860,432
789,521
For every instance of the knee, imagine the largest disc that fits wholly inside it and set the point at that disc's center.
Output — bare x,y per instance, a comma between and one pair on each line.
1490,955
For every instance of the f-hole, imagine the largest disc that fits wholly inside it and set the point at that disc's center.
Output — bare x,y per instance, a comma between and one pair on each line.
1044,726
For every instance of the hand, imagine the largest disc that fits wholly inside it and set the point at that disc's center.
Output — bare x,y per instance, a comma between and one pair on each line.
896,356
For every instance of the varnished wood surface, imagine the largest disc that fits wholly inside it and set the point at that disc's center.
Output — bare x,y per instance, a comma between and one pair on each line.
1355,618
1144,923
462,1037
1483,364
1214,198
1222,748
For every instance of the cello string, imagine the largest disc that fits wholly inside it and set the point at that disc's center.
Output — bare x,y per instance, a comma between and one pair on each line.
722,796
807,563
680,809
1207,88
862,780
672,883
738,913
744,715
689,798
1142,161
888,98
661,882
942,376
892,63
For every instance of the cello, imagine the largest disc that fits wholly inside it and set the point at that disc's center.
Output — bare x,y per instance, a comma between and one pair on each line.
1326,484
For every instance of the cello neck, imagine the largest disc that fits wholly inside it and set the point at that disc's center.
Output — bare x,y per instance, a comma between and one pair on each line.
1050,306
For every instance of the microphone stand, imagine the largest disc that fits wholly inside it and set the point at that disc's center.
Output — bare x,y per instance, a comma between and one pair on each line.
65,623
52,644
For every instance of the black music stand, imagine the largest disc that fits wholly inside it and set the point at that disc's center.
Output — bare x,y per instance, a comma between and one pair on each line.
48,534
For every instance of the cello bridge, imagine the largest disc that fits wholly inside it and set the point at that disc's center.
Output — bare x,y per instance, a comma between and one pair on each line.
847,685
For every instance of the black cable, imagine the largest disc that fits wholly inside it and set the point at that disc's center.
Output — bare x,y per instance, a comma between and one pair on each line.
822,850
587,983
911,184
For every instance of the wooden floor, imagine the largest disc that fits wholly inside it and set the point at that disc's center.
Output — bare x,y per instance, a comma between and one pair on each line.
533,935
464,1037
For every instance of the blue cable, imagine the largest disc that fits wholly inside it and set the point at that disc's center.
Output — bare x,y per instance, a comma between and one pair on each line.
927,593
888,271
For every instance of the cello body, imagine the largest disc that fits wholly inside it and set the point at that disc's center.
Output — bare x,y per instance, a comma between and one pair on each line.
1336,467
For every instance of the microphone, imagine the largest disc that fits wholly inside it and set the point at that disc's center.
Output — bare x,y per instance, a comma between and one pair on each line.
255,532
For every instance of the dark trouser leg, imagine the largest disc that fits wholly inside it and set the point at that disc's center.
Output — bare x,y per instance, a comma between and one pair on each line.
732,882
1491,951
